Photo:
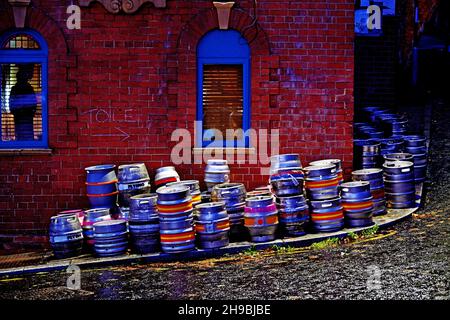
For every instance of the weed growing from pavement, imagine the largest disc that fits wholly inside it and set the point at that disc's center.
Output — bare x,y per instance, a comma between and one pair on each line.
370,232
251,251
330,242
283,249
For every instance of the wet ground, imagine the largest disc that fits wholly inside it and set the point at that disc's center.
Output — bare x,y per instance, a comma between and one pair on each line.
410,261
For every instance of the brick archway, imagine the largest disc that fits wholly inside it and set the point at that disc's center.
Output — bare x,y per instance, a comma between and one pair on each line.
182,77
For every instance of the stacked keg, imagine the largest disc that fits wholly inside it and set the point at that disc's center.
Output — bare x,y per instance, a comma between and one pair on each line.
366,154
293,215
321,182
233,194
91,217
101,186
176,219
166,175
261,218
66,235
133,179
78,212
375,178
356,200
416,145
194,187
216,172
391,145
336,162
212,224
325,204
286,176
327,215
144,223
110,238
399,184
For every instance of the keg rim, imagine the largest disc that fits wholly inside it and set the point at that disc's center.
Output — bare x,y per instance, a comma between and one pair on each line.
208,205
166,168
140,164
351,184
100,167
317,168
110,222
164,190
367,171
398,164
144,196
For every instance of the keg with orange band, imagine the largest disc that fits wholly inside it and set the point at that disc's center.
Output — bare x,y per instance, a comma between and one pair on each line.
357,203
327,215
212,224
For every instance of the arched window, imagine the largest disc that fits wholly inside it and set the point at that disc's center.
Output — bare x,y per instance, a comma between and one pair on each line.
223,89
23,90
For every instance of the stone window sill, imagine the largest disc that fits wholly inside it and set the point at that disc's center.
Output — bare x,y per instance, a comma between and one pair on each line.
224,150
25,152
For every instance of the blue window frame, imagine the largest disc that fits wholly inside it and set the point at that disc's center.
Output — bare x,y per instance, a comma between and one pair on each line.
229,49
24,50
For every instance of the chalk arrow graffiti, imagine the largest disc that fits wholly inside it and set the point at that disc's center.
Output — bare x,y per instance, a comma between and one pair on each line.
125,136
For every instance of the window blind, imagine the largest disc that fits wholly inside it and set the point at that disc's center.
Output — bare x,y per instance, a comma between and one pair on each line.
223,97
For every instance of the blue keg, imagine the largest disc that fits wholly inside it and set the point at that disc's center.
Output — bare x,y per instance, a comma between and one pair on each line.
101,186
399,184
321,182
111,238
293,215
375,178
66,235
356,199
144,223
327,215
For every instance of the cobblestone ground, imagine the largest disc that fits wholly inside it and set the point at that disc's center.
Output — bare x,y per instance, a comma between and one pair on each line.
409,261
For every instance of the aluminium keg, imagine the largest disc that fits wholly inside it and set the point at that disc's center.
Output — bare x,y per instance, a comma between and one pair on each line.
287,182
111,238
321,182
144,223
133,179
375,178
399,184
261,218
293,215
176,222
336,162
284,162
92,216
416,145
101,186
78,212
366,154
216,172
233,194
356,199
391,145
165,175
194,187
327,215
212,224
66,235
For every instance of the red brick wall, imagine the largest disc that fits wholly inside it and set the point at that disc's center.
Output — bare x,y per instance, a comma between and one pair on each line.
137,74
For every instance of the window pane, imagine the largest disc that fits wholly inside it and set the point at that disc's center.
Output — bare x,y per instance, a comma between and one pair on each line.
21,102
223,97
21,41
